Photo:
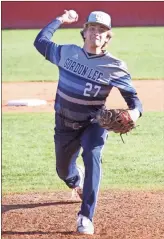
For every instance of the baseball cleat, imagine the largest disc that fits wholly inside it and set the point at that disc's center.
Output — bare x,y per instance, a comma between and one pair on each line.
84,225
78,191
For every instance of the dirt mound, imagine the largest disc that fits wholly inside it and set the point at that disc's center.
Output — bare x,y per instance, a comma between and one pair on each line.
119,215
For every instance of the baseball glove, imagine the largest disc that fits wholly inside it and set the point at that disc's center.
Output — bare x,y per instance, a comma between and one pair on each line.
116,120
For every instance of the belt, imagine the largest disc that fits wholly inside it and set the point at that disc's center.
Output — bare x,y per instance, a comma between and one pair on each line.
76,125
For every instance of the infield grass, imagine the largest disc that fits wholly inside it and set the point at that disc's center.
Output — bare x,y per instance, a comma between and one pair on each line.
28,162
141,47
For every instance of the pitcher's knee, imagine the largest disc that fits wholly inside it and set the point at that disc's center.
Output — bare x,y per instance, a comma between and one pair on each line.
69,181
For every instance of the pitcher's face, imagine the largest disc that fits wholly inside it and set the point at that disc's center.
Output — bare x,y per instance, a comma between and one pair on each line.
96,34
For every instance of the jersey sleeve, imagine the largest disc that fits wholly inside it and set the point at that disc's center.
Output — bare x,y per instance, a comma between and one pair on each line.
46,47
121,79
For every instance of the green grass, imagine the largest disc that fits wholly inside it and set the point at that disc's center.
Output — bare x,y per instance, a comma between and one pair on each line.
28,162
142,49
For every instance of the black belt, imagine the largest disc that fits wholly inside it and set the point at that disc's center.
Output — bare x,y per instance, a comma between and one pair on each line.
73,125
76,125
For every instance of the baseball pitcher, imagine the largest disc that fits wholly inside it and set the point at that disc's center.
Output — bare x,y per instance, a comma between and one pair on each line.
86,76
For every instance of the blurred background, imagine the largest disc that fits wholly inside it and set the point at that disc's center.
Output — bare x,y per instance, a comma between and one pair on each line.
36,14
137,28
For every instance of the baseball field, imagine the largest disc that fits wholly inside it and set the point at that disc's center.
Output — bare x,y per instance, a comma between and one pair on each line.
35,203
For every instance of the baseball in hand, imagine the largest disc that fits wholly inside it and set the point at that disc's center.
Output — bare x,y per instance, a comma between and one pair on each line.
72,14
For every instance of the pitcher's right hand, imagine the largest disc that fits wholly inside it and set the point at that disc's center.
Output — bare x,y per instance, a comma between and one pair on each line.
66,18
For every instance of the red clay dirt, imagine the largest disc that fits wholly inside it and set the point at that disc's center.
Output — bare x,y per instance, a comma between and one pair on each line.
119,214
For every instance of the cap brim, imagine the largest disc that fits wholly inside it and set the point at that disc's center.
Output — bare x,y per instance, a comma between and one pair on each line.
109,28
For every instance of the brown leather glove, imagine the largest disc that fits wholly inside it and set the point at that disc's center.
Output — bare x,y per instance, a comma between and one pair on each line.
116,120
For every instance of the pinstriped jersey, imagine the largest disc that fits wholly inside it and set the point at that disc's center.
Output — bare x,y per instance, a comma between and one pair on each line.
85,80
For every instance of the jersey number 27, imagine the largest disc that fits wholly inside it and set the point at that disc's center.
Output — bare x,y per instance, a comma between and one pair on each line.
89,87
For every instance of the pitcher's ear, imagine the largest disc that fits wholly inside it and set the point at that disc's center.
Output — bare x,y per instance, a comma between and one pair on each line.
84,32
107,39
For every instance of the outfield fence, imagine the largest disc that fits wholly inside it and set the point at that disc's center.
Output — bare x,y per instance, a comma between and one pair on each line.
25,15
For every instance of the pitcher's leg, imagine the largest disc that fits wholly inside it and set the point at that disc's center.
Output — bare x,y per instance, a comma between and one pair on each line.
66,168
92,142
67,147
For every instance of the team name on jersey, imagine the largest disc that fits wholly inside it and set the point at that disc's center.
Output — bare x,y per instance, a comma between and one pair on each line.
82,70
